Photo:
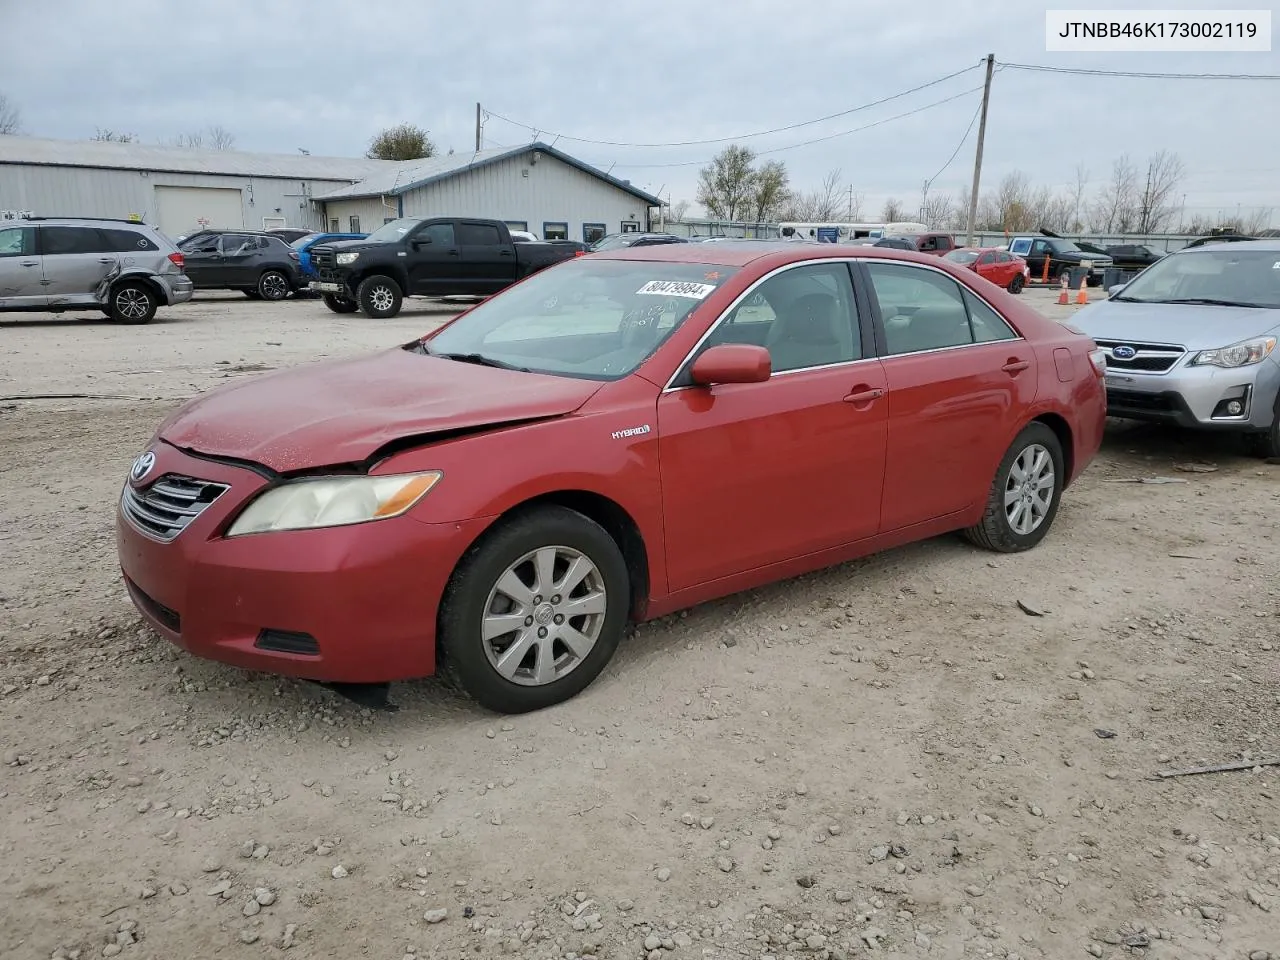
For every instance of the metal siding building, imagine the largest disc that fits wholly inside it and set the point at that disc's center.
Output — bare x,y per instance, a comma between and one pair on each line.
533,187
171,188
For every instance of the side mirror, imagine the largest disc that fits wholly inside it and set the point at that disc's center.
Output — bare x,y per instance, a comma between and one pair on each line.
732,363
421,242
1115,289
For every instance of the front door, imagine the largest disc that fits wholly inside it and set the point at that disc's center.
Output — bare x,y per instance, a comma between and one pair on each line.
759,473
76,261
488,263
957,377
201,259
21,271
435,262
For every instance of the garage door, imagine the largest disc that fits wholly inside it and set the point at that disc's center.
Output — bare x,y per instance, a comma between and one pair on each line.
184,210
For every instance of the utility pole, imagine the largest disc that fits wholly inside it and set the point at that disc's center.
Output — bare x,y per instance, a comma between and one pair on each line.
984,114
977,160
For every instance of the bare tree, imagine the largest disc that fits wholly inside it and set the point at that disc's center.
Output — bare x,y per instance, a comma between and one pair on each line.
679,209
1115,209
220,138
937,210
769,191
829,198
112,136
893,211
10,117
1078,191
1155,208
726,186
1257,221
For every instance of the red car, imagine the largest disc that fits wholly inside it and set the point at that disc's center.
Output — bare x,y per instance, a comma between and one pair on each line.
613,439
1001,267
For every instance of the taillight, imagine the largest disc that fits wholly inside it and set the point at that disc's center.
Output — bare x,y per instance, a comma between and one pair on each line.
178,260
579,253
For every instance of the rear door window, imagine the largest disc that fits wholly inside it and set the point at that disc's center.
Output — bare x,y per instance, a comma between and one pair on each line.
478,235
72,240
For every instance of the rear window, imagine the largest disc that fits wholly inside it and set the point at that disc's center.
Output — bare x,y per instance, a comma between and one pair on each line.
590,319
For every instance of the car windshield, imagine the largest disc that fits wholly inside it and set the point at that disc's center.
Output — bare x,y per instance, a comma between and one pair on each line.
591,319
393,231
1228,275
612,242
962,256
1065,246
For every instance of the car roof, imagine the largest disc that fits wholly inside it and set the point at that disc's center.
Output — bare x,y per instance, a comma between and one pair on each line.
78,221
740,253
1266,244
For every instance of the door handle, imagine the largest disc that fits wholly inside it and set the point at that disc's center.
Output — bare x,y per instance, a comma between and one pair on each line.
454,253
106,259
504,253
865,395
1015,366
31,263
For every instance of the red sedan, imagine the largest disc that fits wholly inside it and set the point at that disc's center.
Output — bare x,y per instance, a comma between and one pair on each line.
611,440
1001,267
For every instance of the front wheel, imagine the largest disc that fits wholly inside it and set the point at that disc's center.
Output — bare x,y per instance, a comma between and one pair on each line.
133,303
340,304
534,611
273,285
380,297
1017,283
1024,495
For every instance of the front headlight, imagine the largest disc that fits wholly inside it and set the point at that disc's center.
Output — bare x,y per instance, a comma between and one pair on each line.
1242,354
346,258
332,502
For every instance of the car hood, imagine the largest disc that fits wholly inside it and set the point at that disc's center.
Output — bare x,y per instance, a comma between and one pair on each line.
1192,325
348,244
345,411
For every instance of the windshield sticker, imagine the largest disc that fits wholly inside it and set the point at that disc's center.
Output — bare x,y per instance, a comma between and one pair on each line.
677,288
1276,265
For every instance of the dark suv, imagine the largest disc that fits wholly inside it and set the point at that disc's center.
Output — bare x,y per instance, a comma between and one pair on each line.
55,264
258,263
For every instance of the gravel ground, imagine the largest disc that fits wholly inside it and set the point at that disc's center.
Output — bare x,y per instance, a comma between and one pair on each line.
891,757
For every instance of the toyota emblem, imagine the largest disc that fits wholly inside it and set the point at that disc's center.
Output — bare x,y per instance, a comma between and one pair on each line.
1124,353
142,466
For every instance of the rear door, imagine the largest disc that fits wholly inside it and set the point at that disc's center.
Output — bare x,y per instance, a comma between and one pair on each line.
958,379
21,274
434,260
75,262
488,263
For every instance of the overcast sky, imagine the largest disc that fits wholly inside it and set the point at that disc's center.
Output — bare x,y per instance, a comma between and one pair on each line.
324,76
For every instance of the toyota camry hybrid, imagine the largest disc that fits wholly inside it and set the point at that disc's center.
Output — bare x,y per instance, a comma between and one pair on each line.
608,441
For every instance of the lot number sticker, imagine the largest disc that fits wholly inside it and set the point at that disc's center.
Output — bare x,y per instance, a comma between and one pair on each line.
677,288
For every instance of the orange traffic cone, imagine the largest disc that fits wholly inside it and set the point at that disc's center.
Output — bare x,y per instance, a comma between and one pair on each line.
1083,296
1063,299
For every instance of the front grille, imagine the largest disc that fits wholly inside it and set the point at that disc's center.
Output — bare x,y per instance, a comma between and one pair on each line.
320,256
1149,358
166,508
1134,400
165,616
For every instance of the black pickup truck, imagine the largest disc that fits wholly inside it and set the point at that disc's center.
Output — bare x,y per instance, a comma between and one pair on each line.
426,257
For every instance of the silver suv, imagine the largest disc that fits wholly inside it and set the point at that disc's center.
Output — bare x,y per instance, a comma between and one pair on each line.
1192,341
125,269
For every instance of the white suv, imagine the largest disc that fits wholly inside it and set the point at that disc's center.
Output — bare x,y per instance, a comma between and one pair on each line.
125,269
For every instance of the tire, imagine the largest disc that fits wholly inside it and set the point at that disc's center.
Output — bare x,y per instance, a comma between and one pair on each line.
1017,283
996,531
508,553
379,297
1065,272
133,302
273,286
340,304
1266,444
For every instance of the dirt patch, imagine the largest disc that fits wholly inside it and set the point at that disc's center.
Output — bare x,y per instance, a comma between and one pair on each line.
891,756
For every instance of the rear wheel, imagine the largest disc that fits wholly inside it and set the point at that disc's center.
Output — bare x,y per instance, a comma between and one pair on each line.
380,297
273,285
534,611
133,302
1017,283
1024,495
340,304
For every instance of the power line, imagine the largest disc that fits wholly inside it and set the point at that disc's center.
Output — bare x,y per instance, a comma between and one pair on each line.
1082,71
745,136
805,143
955,153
